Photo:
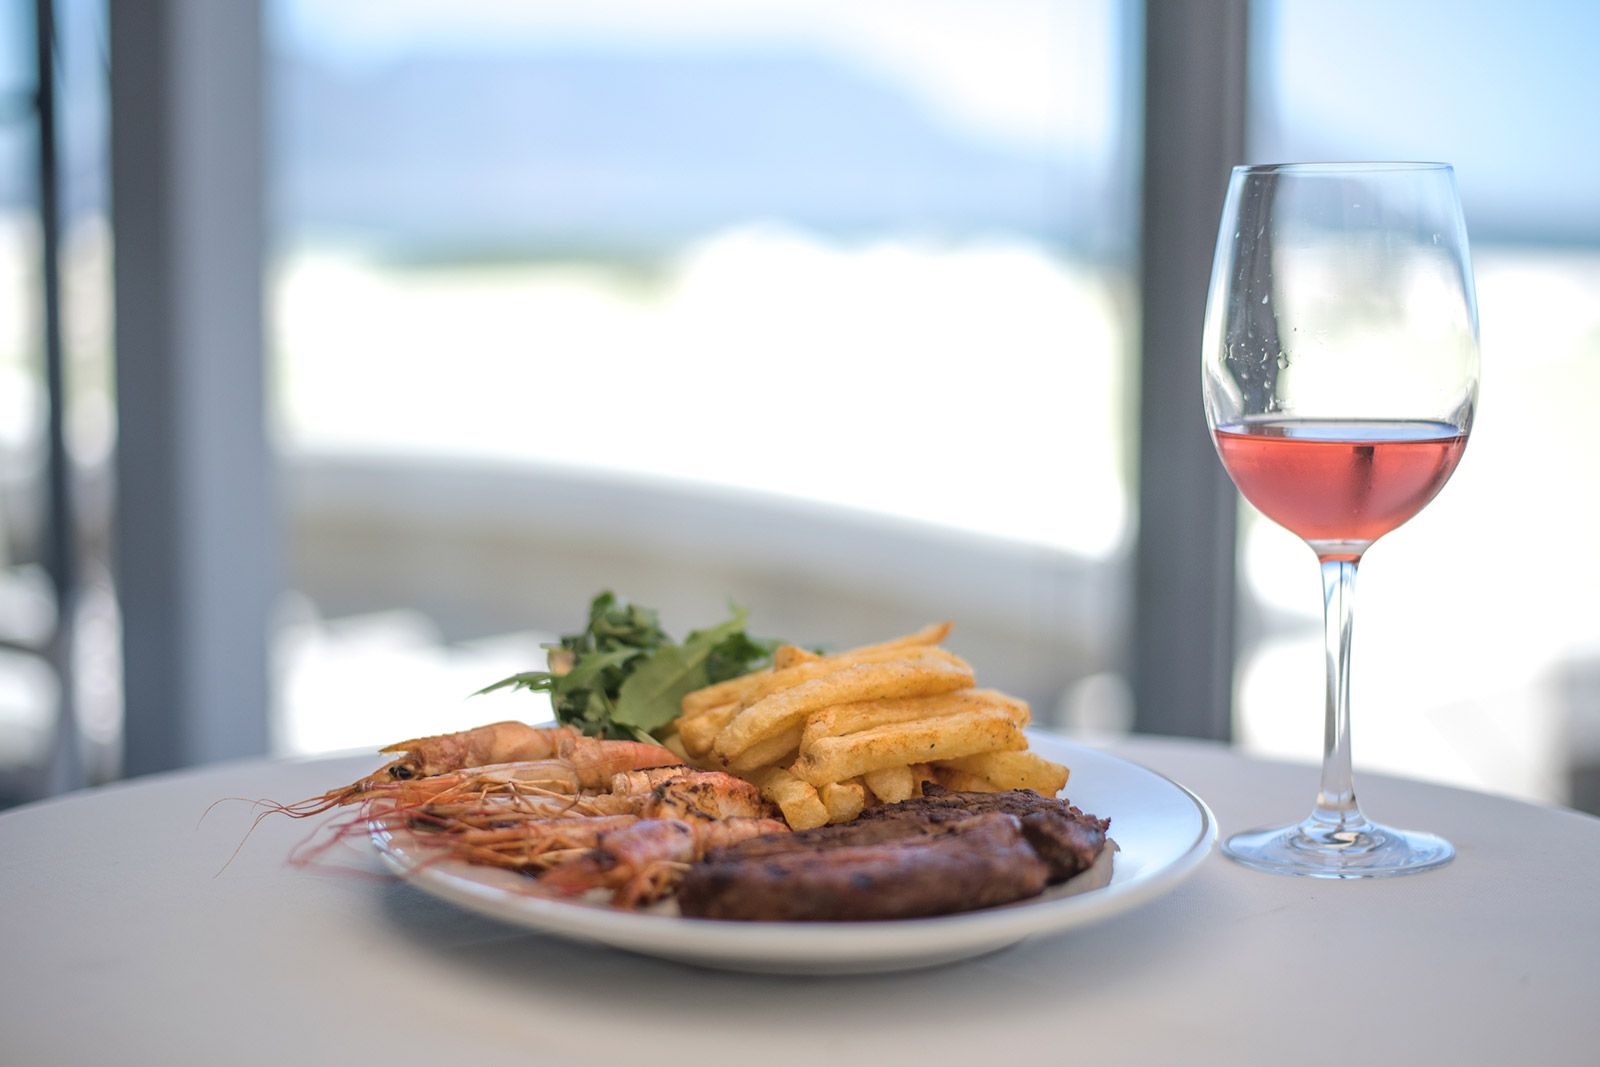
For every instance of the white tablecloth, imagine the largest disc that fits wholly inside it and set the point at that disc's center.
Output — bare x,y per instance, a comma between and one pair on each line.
122,944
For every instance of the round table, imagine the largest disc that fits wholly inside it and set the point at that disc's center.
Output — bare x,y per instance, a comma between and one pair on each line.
127,942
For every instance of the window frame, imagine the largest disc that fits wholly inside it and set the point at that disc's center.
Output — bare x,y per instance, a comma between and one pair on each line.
197,529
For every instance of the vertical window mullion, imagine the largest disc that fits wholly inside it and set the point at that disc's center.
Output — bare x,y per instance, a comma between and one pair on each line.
1194,124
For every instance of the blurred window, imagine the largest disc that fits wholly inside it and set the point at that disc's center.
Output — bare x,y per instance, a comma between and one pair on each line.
1477,656
27,684
869,257
29,688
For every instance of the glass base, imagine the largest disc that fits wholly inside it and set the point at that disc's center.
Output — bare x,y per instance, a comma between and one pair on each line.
1364,849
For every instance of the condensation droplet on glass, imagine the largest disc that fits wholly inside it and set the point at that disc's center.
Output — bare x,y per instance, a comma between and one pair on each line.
1265,297
1283,362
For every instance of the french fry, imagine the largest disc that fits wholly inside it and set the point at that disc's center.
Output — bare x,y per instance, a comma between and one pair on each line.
733,691
833,759
801,806
824,735
961,781
929,635
1014,770
870,714
890,784
779,749
699,732
792,656
674,744
749,688
921,673
766,683
844,800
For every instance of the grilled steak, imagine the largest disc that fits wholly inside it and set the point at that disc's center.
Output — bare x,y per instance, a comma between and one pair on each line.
977,862
939,853
1064,837
885,831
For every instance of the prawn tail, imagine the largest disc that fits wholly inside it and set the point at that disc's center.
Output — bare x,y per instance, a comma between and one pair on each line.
649,885
596,762
592,869
623,856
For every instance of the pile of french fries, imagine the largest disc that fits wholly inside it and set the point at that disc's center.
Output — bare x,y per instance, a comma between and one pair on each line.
825,736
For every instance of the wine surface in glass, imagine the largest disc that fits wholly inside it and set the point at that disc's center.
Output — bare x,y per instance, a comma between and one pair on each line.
1339,484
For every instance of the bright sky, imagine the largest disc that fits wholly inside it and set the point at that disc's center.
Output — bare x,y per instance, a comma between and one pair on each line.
1034,72
1507,92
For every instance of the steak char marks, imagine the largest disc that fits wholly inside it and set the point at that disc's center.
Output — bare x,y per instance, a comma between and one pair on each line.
1065,838
939,853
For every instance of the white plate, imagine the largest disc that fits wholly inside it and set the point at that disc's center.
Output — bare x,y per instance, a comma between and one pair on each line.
1163,830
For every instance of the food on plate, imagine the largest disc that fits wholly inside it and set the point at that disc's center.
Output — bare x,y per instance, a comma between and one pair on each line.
756,684
598,840
941,853
630,834
1008,770
978,863
844,800
556,758
644,862
883,719
890,785
1066,838
623,676
938,737
922,673
799,801
913,791
499,742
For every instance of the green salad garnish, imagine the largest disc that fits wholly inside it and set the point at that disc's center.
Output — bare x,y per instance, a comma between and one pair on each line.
625,677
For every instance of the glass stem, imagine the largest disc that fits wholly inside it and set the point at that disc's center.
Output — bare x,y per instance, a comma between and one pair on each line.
1337,810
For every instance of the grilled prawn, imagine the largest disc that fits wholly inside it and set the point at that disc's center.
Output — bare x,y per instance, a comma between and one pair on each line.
587,814
558,759
532,833
646,861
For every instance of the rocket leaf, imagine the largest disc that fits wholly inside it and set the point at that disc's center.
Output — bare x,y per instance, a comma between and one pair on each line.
624,676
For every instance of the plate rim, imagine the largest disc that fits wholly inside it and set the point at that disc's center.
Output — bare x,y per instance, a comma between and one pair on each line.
811,943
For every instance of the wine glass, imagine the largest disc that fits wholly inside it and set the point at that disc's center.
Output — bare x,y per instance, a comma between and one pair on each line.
1340,373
